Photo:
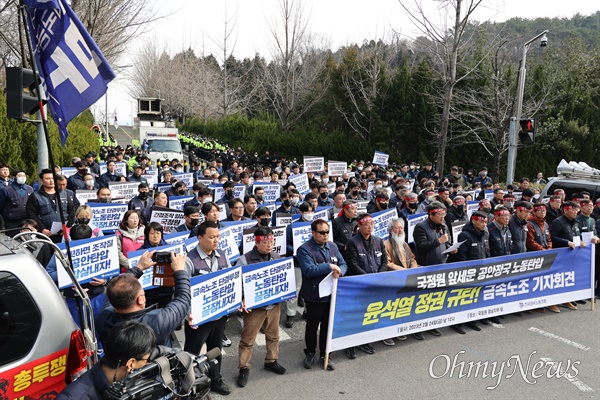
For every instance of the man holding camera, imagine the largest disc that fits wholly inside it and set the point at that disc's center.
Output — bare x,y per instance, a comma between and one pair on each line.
267,316
127,300
204,259
127,347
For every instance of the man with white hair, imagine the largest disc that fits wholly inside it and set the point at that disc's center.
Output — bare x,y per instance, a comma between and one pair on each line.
399,254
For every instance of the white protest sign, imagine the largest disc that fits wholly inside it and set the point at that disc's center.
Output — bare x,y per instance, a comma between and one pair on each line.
362,206
283,219
147,278
84,195
280,240
169,219
268,282
227,244
238,228
322,213
107,216
457,228
151,179
176,237
67,172
123,190
413,220
272,191
92,258
163,187
336,168
381,220
186,177
301,183
216,294
313,164
177,202
120,168
472,206
380,158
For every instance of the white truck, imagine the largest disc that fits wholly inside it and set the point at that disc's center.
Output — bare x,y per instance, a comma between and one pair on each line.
159,141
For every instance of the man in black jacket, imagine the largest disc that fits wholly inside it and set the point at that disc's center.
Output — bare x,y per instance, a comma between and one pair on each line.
345,224
518,226
127,301
431,236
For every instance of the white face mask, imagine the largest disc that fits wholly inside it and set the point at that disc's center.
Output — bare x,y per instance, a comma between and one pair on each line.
179,170
207,200
21,180
308,216
378,187
325,180
89,182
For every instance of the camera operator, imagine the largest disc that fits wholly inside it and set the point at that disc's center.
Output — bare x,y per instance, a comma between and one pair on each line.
128,301
127,347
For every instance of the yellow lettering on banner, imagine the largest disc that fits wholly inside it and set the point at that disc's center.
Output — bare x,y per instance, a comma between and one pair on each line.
22,380
430,302
58,365
41,372
397,308
463,296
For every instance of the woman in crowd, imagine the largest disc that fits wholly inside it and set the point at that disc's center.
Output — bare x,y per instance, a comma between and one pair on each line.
153,235
83,216
130,236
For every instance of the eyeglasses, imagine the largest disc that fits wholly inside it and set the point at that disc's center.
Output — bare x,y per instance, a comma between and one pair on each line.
323,232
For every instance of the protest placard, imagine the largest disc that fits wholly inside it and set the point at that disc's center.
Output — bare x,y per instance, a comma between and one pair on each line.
92,258
380,158
457,228
283,219
163,187
301,182
176,237
185,177
336,168
216,294
147,279
177,202
238,228
381,220
413,220
107,216
313,164
168,218
301,233
272,191
84,195
123,190
228,244
269,282
67,172
280,240
120,168
472,206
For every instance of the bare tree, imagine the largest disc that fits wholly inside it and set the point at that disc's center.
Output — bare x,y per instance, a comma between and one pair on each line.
294,80
447,41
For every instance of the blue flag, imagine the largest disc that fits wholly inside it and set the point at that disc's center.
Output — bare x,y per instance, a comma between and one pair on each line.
73,70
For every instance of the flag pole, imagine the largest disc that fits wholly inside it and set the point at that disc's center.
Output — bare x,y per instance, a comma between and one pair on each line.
44,122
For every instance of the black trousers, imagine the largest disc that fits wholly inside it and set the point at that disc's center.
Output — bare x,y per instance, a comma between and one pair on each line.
210,333
316,314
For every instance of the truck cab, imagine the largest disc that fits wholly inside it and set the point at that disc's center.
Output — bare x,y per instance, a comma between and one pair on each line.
159,139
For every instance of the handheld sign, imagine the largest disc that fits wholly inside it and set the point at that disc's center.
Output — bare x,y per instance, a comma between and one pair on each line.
107,216
147,279
301,182
269,282
336,168
380,158
168,218
313,164
216,294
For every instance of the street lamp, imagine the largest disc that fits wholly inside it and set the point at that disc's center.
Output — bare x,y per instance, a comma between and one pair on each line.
512,138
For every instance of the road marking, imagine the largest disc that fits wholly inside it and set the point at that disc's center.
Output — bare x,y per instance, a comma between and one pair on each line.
260,338
126,133
559,338
573,379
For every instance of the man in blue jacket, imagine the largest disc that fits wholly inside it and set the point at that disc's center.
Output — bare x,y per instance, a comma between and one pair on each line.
318,258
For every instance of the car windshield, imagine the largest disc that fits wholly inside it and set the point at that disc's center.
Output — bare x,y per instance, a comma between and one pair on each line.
163,145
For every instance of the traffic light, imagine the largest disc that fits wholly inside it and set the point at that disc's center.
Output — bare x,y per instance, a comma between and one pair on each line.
21,89
527,134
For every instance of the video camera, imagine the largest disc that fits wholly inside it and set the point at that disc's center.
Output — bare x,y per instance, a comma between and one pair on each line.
178,375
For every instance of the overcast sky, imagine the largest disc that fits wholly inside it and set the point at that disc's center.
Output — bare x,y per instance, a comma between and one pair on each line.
198,23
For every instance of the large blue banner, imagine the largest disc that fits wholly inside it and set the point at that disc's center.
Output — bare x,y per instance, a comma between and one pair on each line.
379,306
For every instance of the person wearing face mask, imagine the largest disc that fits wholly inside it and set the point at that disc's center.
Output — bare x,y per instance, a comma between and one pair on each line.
482,178
77,181
259,193
142,200
83,216
228,195
130,236
508,201
457,212
306,211
323,199
485,206
89,182
285,208
13,200
104,195
179,189
191,214
262,216
379,203
354,191
377,187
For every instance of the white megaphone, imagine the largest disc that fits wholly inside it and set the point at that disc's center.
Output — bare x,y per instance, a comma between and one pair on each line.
564,167
596,171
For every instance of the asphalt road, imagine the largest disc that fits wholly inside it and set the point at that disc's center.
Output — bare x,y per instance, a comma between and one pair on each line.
123,135
519,354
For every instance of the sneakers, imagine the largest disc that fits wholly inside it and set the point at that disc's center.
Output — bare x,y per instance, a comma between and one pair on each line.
226,342
289,321
484,321
570,306
309,360
242,379
330,365
351,353
435,332
401,338
275,367
389,342
554,309
218,386
367,348
418,336
300,302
